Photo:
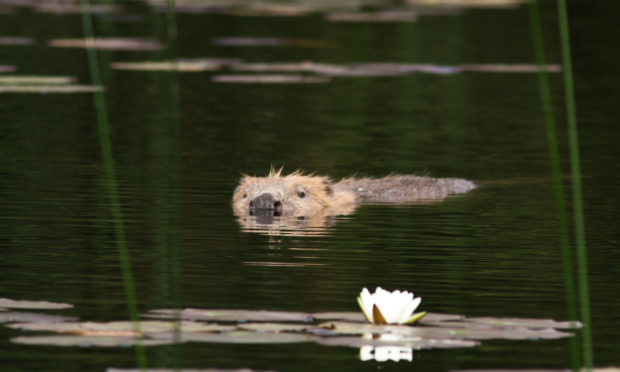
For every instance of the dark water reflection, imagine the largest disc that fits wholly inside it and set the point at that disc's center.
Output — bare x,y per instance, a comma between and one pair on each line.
492,252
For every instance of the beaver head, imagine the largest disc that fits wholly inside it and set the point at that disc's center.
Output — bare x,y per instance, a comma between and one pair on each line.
277,195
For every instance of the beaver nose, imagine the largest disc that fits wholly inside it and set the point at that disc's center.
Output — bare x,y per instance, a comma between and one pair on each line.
266,201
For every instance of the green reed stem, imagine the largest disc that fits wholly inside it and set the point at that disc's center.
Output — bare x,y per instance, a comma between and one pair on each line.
580,236
558,189
175,135
110,176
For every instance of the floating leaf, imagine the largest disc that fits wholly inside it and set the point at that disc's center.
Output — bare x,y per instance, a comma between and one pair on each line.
600,369
273,327
453,330
227,315
23,304
48,89
269,79
348,316
112,369
108,43
349,70
389,69
6,68
353,328
265,9
16,40
245,337
268,42
528,323
468,3
280,264
413,343
306,66
510,68
125,17
35,80
433,318
69,8
119,328
184,65
10,317
86,341
261,326
385,16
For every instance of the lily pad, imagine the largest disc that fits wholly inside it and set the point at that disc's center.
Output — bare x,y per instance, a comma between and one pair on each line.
24,304
599,369
240,337
379,69
413,343
348,316
19,317
136,44
48,89
6,68
183,65
269,42
227,315
119,328
87,341
451,330
273,327
262,326
349,70
265,9
71,8
280,264
112,369
528,323
384,16
269,79
510,68
16,40
434,318
354,328
306,66
468,3
35,80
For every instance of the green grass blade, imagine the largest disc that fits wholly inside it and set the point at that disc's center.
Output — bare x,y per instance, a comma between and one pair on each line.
110,176
580,238
558,189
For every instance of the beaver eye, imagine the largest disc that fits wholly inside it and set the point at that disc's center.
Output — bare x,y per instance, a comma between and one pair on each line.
300,191
245,195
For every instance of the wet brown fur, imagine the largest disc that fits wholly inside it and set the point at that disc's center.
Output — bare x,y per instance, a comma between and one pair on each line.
302,195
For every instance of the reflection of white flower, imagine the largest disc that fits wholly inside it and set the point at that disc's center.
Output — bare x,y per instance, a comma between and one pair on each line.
383,307
385,353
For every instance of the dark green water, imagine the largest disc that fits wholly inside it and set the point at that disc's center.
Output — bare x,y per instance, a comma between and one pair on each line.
179,154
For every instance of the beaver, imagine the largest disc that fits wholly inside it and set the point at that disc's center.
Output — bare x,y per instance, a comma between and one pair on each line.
303,196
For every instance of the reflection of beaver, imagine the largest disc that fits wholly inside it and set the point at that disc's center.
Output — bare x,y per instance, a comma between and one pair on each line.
303,196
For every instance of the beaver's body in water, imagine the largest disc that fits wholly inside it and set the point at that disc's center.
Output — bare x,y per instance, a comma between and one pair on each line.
304,196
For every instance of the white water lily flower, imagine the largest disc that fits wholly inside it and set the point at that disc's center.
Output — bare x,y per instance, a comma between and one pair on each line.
383,307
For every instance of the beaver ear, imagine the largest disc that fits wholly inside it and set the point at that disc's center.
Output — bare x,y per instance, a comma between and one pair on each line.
328,187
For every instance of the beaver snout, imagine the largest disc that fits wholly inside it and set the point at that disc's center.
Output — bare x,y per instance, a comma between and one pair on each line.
265,202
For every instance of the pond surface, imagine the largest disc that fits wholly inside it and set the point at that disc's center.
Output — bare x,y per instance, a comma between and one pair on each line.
181,141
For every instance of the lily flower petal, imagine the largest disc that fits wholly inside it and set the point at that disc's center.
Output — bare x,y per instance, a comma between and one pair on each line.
383,307
366,303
